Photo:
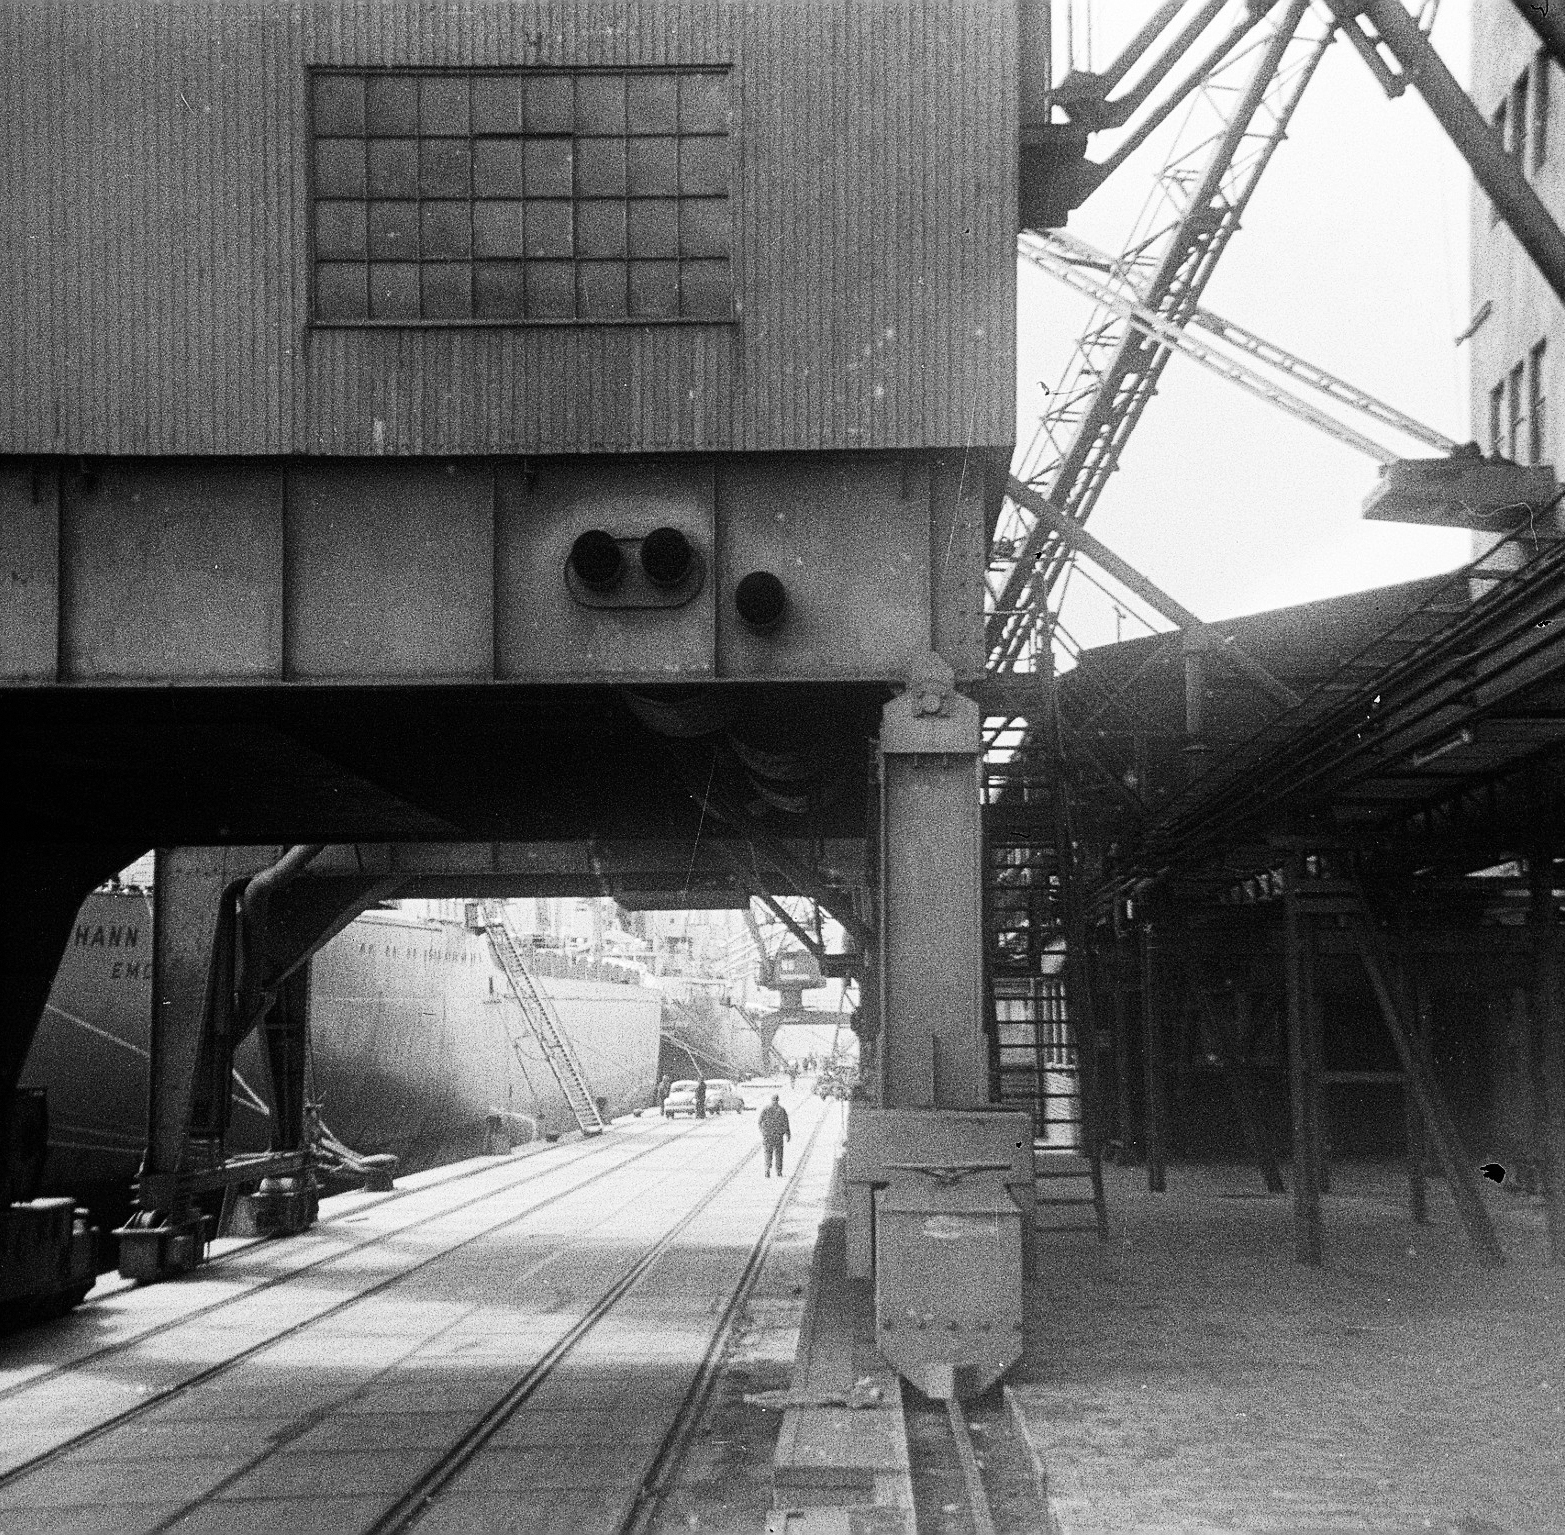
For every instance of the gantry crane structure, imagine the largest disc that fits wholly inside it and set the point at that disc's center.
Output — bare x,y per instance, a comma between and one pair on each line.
1258,59
1253,61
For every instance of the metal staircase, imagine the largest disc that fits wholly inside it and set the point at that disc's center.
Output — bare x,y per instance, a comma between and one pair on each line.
545,1025
1035,1062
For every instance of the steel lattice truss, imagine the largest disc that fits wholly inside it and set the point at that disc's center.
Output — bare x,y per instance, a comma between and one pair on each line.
1242,98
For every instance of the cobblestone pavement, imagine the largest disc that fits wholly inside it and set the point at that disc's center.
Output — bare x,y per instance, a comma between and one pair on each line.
1189,1376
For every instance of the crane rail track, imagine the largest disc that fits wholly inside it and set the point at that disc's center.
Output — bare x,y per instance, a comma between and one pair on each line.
960,1489
415,1503
621,1268
159,1398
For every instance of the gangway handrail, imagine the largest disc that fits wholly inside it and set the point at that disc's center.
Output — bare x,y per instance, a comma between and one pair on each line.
544,1023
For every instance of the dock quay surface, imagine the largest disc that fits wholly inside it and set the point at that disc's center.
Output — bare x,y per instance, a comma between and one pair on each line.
504,1344
1188,1376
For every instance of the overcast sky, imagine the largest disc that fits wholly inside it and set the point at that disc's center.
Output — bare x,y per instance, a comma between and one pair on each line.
1354,255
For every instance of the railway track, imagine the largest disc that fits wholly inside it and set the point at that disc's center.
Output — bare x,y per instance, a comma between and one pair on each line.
495,1174
619,1290
970,1474
416,1502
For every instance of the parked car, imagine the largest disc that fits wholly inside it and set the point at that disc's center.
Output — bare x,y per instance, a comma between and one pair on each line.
681,1099
721,1095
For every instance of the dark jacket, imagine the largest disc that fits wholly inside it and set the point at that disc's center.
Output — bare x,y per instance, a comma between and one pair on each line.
774,1125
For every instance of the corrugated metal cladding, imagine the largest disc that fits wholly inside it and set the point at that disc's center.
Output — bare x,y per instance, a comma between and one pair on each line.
156,250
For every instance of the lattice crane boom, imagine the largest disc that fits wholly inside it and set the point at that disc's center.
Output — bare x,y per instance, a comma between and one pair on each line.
1120,367
1081,268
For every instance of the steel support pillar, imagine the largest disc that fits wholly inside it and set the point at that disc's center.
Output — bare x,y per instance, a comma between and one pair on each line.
229,950
192,1007
1547,1049
1316,1042
1298,940
1127,1131
932,1047
1414,1007
1226,1044
1155,978
1460,1175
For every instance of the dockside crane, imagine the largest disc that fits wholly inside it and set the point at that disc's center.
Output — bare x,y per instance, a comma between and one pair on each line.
1147,305
1147,298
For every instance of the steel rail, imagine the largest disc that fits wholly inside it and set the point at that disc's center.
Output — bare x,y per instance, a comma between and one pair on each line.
671,1451
211,1372
972,1478
420,1498
107,1350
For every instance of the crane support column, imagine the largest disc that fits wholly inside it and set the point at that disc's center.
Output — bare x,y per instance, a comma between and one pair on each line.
932,1051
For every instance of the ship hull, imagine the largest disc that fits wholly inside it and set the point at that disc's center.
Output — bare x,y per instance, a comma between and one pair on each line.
415,1044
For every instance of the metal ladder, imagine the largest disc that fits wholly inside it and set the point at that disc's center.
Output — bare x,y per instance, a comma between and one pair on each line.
1034,1059
541,1019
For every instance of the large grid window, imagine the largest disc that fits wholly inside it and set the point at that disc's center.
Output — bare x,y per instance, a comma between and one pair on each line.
521,196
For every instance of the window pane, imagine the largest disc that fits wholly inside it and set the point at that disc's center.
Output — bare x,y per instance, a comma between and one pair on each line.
703,103
342,290
548,227
600,104
443,167
511,194
391,104
339,104
654,290
393,230
393,167
497,168
600,167
393,291
498,290
497,104
600,290
704,290
546,104
446,290
548,167
446,231
703,167
600,229
652,166
340,229
339,168
497,229
443,104
703,226
653,227
651,103
551,290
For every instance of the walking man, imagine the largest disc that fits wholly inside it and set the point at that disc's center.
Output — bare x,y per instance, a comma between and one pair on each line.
665,1082
701,1097
774,1131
